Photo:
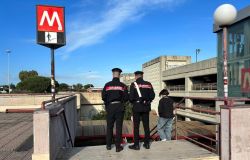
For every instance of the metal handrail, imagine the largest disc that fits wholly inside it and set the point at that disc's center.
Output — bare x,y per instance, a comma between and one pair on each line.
201,144
53,101
187,130
200,110
176,88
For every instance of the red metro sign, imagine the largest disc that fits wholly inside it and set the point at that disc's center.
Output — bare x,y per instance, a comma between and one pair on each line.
50,26
50,18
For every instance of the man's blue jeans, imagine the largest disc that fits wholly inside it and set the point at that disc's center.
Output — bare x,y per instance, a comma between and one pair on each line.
164,127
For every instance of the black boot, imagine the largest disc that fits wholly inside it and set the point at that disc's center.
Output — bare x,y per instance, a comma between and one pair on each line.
108,147
134,147
119,148
146,145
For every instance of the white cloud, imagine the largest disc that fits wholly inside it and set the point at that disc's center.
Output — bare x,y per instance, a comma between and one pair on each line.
91,75
118,13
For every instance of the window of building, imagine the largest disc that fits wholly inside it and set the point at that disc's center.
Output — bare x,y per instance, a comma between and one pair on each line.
236,41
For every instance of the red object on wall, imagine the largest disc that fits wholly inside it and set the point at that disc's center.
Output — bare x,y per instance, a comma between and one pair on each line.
50,18
245,80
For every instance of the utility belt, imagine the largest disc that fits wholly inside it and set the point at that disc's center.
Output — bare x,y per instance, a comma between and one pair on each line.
143,102
115,102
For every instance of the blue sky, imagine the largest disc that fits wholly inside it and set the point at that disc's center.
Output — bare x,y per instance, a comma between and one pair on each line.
102,34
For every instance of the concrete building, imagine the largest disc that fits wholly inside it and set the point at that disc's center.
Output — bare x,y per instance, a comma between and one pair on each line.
238,56
127,78
197,81
153,71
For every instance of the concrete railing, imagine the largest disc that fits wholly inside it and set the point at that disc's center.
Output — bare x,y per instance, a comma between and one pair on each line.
24,99
54,128
194,67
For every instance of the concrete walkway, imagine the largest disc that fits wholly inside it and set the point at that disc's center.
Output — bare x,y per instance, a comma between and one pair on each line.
16,136
172,150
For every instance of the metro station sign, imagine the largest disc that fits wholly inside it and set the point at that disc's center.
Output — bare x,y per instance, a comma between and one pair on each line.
50,26
245,80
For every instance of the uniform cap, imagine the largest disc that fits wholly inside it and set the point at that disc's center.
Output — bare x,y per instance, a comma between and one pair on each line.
116,70
138,72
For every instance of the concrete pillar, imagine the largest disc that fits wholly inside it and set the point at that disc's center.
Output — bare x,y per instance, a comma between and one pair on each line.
235,135
188,84
41,131
188,88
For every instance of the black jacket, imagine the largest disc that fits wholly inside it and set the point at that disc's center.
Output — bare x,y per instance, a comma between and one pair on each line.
115,91
147,93
166,107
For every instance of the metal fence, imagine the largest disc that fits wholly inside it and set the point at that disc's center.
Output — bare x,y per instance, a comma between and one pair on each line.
176,88
204,86
215,142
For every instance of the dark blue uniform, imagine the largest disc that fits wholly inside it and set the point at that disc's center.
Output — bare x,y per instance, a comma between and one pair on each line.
114,95
141,107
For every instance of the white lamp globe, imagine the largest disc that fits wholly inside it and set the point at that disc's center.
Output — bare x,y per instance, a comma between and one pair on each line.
225,15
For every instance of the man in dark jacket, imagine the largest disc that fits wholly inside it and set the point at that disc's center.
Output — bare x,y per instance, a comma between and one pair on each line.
166,114
141,95
114,95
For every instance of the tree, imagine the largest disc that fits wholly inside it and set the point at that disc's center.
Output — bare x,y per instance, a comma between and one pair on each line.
63,87
23,75
36,84
78,87
12,86
87,86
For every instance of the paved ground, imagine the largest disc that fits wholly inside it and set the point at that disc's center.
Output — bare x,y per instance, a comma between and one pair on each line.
16,136
173,150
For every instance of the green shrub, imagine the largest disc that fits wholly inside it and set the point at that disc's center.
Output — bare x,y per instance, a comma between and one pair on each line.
127,114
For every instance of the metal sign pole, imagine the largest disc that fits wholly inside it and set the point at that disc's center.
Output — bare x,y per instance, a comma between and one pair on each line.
51,36
53,87
225,79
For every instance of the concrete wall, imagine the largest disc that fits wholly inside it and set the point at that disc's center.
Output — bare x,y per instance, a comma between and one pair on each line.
187,72
127,78
153,72
18,101
205,67
22,99
91,104
88,103
235,133
50,133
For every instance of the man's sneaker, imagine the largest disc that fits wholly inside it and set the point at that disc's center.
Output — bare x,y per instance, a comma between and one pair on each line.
164,140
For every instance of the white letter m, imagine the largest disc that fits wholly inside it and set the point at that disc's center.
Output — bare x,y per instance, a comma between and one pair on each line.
51,21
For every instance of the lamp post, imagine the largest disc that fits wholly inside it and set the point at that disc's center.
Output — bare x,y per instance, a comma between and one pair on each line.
225,15
197,51
8,53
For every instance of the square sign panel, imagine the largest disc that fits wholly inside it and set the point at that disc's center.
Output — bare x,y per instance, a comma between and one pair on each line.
51,37
50,26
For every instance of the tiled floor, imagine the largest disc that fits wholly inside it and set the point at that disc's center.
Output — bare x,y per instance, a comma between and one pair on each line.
16,136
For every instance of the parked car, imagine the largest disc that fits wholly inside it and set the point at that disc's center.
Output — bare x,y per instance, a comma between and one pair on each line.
2,90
